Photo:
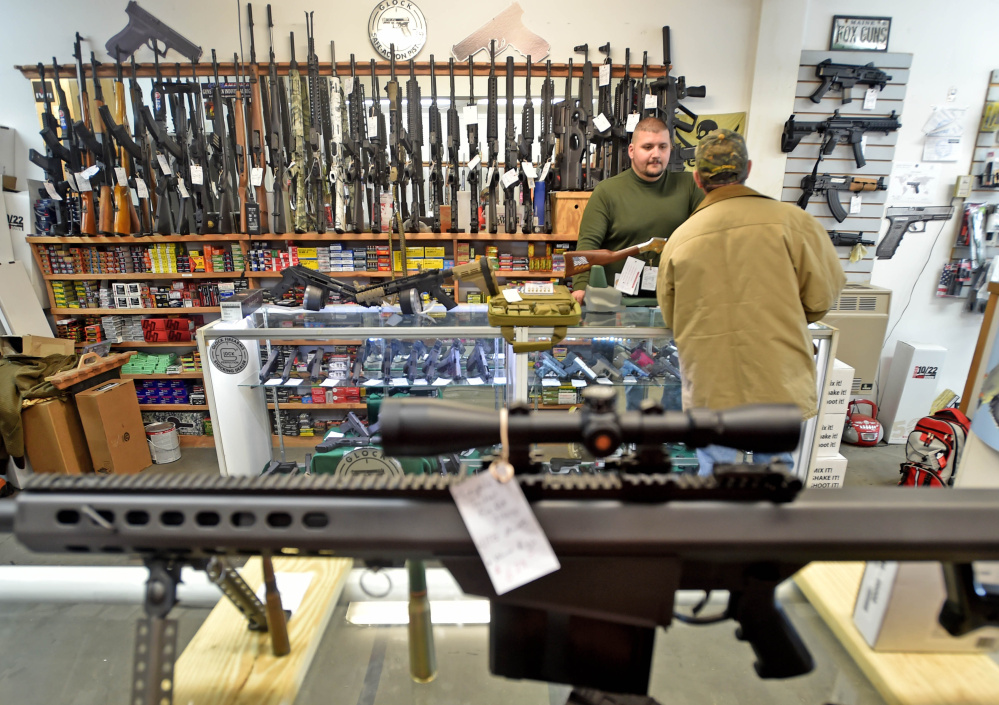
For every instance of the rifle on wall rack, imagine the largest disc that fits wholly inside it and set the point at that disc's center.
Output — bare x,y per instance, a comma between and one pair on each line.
436,152
453,149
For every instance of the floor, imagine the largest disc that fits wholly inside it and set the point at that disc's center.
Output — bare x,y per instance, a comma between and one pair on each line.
89,646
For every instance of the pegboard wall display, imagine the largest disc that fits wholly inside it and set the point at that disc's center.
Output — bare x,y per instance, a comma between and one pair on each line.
871,168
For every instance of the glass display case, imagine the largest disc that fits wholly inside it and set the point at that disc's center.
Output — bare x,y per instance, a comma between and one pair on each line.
283,378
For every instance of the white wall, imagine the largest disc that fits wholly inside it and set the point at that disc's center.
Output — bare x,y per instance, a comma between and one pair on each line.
714,44
953,46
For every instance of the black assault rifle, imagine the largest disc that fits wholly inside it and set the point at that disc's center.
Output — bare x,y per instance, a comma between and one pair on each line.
846,76
836,129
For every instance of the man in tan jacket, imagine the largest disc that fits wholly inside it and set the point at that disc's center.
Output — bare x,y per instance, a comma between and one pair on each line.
739,282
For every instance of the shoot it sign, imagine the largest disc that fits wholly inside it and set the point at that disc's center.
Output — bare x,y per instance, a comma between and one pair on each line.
859,33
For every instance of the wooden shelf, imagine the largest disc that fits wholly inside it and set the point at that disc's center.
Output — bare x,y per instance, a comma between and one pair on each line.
141,276
296,406
416,237
179,375
511,274
173,407
196,441
131,240
298,441
343,275
191,344
133,311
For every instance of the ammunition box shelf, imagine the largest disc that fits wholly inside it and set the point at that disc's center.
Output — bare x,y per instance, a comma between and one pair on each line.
335,275
173,407
179,375
133,311
143,344
383,237
141,276
298,441
290,406
131,240
516,274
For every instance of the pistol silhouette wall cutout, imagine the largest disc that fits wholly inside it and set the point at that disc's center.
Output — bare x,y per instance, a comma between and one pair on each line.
144,29
507,28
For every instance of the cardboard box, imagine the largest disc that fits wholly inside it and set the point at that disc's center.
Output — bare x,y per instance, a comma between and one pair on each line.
34,345
828,435
910,389
54,439
898,609
826,473
113,425
837,393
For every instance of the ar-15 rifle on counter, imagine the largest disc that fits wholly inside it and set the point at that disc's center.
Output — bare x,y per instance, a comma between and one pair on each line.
834,130
453,150
843,239
832,185
378,168
669,91
318,286
546,142
511,161
581,260
414,164
614,541
282,203
145,29
474,158
492,141
436,151
845,76
525,170
904,220
477,363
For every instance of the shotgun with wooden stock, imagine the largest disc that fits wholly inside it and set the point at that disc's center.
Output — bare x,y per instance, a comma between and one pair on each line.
582,260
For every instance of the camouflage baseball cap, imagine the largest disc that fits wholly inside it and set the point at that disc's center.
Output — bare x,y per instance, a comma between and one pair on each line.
721,157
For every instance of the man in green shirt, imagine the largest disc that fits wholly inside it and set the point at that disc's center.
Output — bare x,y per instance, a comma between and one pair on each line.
643,202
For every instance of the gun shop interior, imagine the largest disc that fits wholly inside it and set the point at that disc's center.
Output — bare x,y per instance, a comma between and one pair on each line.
541,350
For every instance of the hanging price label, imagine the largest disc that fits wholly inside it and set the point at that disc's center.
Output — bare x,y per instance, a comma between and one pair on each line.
83,183
257,175
197,174
53,194
470,114
349,85
141,188
632,122
164,165
71,181
855,203
605,70
870,99
529,171
489,175
510,178
120,176
91,172
601,123
651,102
544,170
182,189
372,126
474,163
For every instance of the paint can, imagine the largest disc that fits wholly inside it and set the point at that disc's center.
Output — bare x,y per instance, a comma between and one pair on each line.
164,444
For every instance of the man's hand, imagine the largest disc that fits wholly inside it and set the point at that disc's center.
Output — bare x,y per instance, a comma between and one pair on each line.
578,295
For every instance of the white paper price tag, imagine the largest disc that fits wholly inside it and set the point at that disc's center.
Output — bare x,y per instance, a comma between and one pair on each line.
632,122
550,382
197,175
544,170
140,188
372,382
630,276
510,178
603,380
83,184
577,383
475,381
329,382
855,203
470,114
442,382
372,126
257,176
475,161
605,70
512,296
419,383
489,175
272,383
871,99
649,276
71,181
510,542
348,85
51,189
91,172
164,164
400,382
529,171
651,102
601,123
182,190
630,380
120,176
293,383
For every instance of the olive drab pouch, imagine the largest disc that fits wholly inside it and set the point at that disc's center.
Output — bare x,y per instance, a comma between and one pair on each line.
540,304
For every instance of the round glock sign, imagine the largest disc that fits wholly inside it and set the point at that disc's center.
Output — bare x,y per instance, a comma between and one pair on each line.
397,22
229,355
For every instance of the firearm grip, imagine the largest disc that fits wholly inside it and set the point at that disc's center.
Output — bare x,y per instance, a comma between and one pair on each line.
890,242
816,97
832,198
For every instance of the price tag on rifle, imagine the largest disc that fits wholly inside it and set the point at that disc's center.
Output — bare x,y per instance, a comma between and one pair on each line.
871,99
140,188
83,183
91,172
633,120
182,190
471,114
601,123
257,176
474,163
544,170
649,276
510,541
372,126
855,203
197,175
529,171
651,102
510,178
120,176
51,189
348,86
630,276
489,175
164,165
605,70
71,181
